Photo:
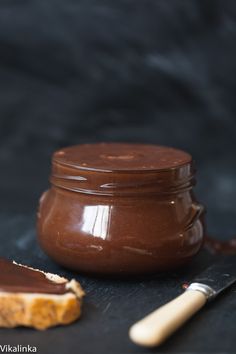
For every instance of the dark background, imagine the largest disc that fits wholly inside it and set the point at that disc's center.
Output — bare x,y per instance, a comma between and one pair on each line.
153,71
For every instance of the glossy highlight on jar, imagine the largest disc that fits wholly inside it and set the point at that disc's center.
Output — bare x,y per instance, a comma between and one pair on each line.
118,208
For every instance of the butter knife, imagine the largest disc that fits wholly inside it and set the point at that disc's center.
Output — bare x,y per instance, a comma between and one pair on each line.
160,324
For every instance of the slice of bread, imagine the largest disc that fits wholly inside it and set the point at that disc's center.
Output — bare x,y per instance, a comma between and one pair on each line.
41,310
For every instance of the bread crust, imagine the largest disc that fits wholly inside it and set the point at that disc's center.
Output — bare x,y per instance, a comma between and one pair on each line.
41,311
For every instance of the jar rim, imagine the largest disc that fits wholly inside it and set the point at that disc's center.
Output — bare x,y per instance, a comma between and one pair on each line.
117,183
122,158
121,171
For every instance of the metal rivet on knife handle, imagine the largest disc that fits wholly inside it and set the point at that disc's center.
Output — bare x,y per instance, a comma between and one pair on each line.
203,288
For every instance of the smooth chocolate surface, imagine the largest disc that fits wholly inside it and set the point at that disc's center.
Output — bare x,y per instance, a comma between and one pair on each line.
19,279
122,156
121,209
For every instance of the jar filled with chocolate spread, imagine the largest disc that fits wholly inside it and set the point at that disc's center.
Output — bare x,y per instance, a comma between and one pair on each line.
120,208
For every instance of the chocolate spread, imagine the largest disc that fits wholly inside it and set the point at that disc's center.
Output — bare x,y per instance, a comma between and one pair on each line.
120,157
121,208
20,279
221,247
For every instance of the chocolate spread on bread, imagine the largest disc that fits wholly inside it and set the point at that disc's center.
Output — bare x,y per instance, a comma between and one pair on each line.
20,279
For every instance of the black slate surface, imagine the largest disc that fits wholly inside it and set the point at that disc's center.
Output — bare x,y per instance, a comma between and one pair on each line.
152,71
111,306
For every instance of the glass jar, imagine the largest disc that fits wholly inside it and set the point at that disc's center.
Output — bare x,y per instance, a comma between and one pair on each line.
120,208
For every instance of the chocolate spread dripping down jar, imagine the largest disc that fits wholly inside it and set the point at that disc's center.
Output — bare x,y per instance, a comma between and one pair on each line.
121,208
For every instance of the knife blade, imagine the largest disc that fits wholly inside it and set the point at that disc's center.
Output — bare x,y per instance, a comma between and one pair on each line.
215,278
160,324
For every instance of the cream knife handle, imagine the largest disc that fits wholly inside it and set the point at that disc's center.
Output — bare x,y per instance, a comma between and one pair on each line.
160,324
